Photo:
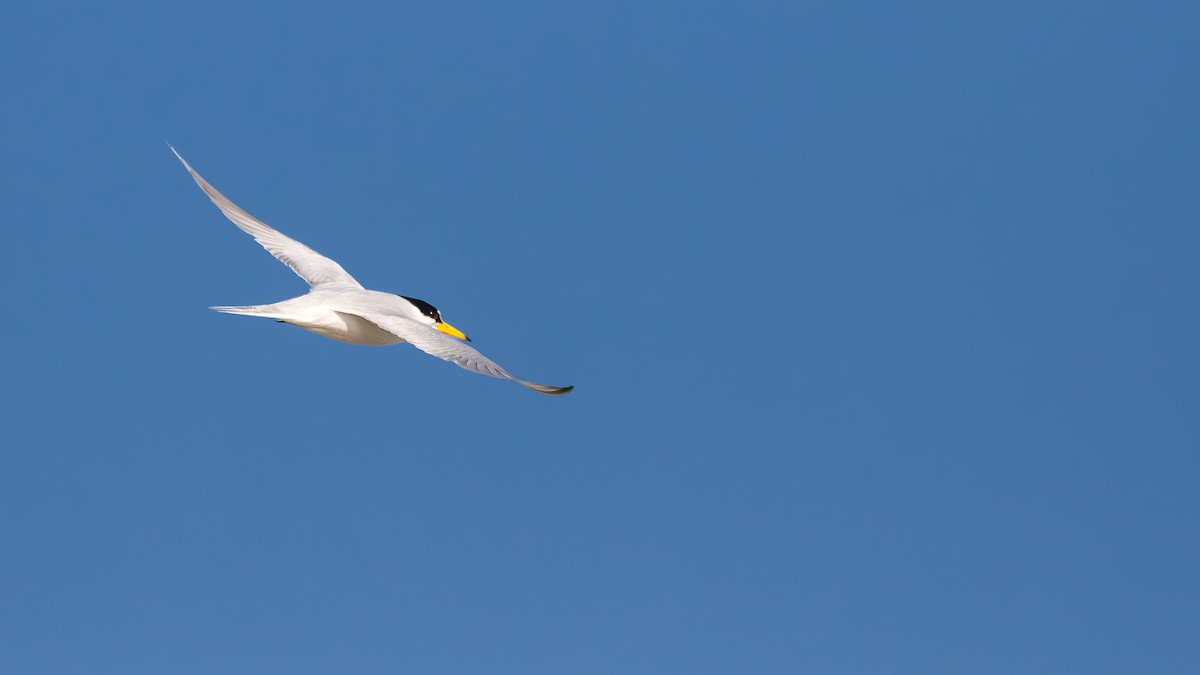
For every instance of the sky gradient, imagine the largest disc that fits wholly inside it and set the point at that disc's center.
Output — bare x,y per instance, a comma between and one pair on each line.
882,320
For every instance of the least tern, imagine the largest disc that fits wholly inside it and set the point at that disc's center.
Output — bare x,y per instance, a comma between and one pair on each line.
338,307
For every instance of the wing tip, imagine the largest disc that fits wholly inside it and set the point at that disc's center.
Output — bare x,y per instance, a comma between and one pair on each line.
181,159
547,389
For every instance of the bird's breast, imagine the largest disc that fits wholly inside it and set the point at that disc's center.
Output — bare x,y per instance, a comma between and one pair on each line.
349,328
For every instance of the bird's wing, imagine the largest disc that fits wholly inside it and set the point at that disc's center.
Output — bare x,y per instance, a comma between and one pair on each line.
313,267
436,343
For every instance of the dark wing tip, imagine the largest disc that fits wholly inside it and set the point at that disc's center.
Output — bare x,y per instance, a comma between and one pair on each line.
547,389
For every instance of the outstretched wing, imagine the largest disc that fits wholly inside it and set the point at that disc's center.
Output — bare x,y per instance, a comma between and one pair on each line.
436,343
313,267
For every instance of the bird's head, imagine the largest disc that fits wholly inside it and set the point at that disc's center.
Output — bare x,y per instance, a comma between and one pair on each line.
429,315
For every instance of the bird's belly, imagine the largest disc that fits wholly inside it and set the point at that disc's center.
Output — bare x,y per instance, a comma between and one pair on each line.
346,328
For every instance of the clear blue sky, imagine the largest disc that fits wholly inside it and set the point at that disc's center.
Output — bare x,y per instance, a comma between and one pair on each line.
882,318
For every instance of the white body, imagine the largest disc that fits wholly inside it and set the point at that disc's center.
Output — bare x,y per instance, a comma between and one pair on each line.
329,314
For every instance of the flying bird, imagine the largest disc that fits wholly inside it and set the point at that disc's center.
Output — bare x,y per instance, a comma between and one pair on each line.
338,307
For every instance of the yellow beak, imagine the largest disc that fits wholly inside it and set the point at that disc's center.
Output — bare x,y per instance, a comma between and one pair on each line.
451,330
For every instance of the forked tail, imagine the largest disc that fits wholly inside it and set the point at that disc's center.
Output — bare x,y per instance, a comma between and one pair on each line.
248,310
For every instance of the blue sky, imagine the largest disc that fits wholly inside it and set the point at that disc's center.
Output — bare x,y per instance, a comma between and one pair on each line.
882,318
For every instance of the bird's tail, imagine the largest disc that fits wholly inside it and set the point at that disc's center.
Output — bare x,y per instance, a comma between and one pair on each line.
248,310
